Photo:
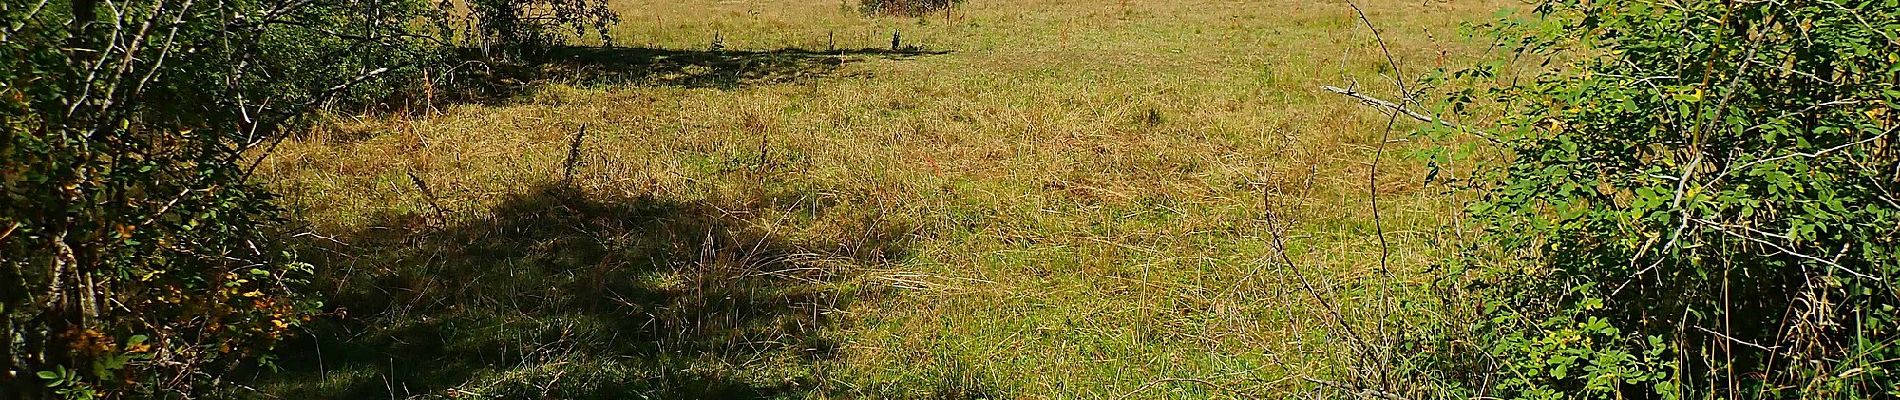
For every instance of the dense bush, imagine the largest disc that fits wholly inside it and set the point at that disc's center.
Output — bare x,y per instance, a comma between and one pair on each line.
1698,200
136,259
526,28
905,7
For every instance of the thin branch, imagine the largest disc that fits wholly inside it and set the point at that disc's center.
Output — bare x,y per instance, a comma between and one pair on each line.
1863,21
165,50
1397,74
1401,109
35,12
1372,189
314,100
1279,249
442,216
9,232
1818,153
1784,250
1739,341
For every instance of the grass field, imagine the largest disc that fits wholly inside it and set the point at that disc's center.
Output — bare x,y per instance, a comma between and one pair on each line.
1044,199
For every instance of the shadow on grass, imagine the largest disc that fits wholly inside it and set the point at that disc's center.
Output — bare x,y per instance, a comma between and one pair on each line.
727,69
563,294
486,82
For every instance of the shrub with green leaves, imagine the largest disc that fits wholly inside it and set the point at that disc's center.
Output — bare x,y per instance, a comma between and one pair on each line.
136,259
514,29
1695,199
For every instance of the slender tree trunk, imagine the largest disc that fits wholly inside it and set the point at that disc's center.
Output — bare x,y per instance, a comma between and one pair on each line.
14,378
84,13
63,305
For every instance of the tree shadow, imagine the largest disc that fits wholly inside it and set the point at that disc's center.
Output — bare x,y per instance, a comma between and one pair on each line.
488,82
723,69
565,294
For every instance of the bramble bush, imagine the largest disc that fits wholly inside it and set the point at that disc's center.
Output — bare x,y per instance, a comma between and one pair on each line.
1695,200
136,258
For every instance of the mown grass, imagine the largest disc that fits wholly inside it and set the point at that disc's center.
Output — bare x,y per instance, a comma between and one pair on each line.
1042,199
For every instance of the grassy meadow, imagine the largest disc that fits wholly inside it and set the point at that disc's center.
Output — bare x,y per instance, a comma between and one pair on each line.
1044,199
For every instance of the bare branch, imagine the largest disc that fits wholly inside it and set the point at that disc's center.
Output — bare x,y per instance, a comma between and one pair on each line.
35,12
1738,341
326,95
1372,190
1818,153
442,215
1279,249
1719,227
164,51
9,231
1401,109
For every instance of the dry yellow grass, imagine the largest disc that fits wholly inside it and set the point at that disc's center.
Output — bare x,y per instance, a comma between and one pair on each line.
1067,204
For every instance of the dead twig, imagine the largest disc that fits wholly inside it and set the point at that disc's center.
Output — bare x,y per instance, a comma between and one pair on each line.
1407,111
1279,249
441,215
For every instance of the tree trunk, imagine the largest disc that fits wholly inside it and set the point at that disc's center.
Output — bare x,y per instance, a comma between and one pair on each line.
84,13
14,376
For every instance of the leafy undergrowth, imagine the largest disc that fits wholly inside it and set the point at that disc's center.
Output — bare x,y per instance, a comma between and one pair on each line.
1699,203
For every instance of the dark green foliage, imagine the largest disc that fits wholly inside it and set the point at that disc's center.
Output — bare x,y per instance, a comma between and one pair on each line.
906,7
1699,199
527,28
135,256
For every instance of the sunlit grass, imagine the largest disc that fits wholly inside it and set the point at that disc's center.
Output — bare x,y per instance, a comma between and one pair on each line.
1067,204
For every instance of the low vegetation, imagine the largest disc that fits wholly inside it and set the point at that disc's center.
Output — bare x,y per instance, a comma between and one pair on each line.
906,7
137,255
954,200
1045,200
1697,201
